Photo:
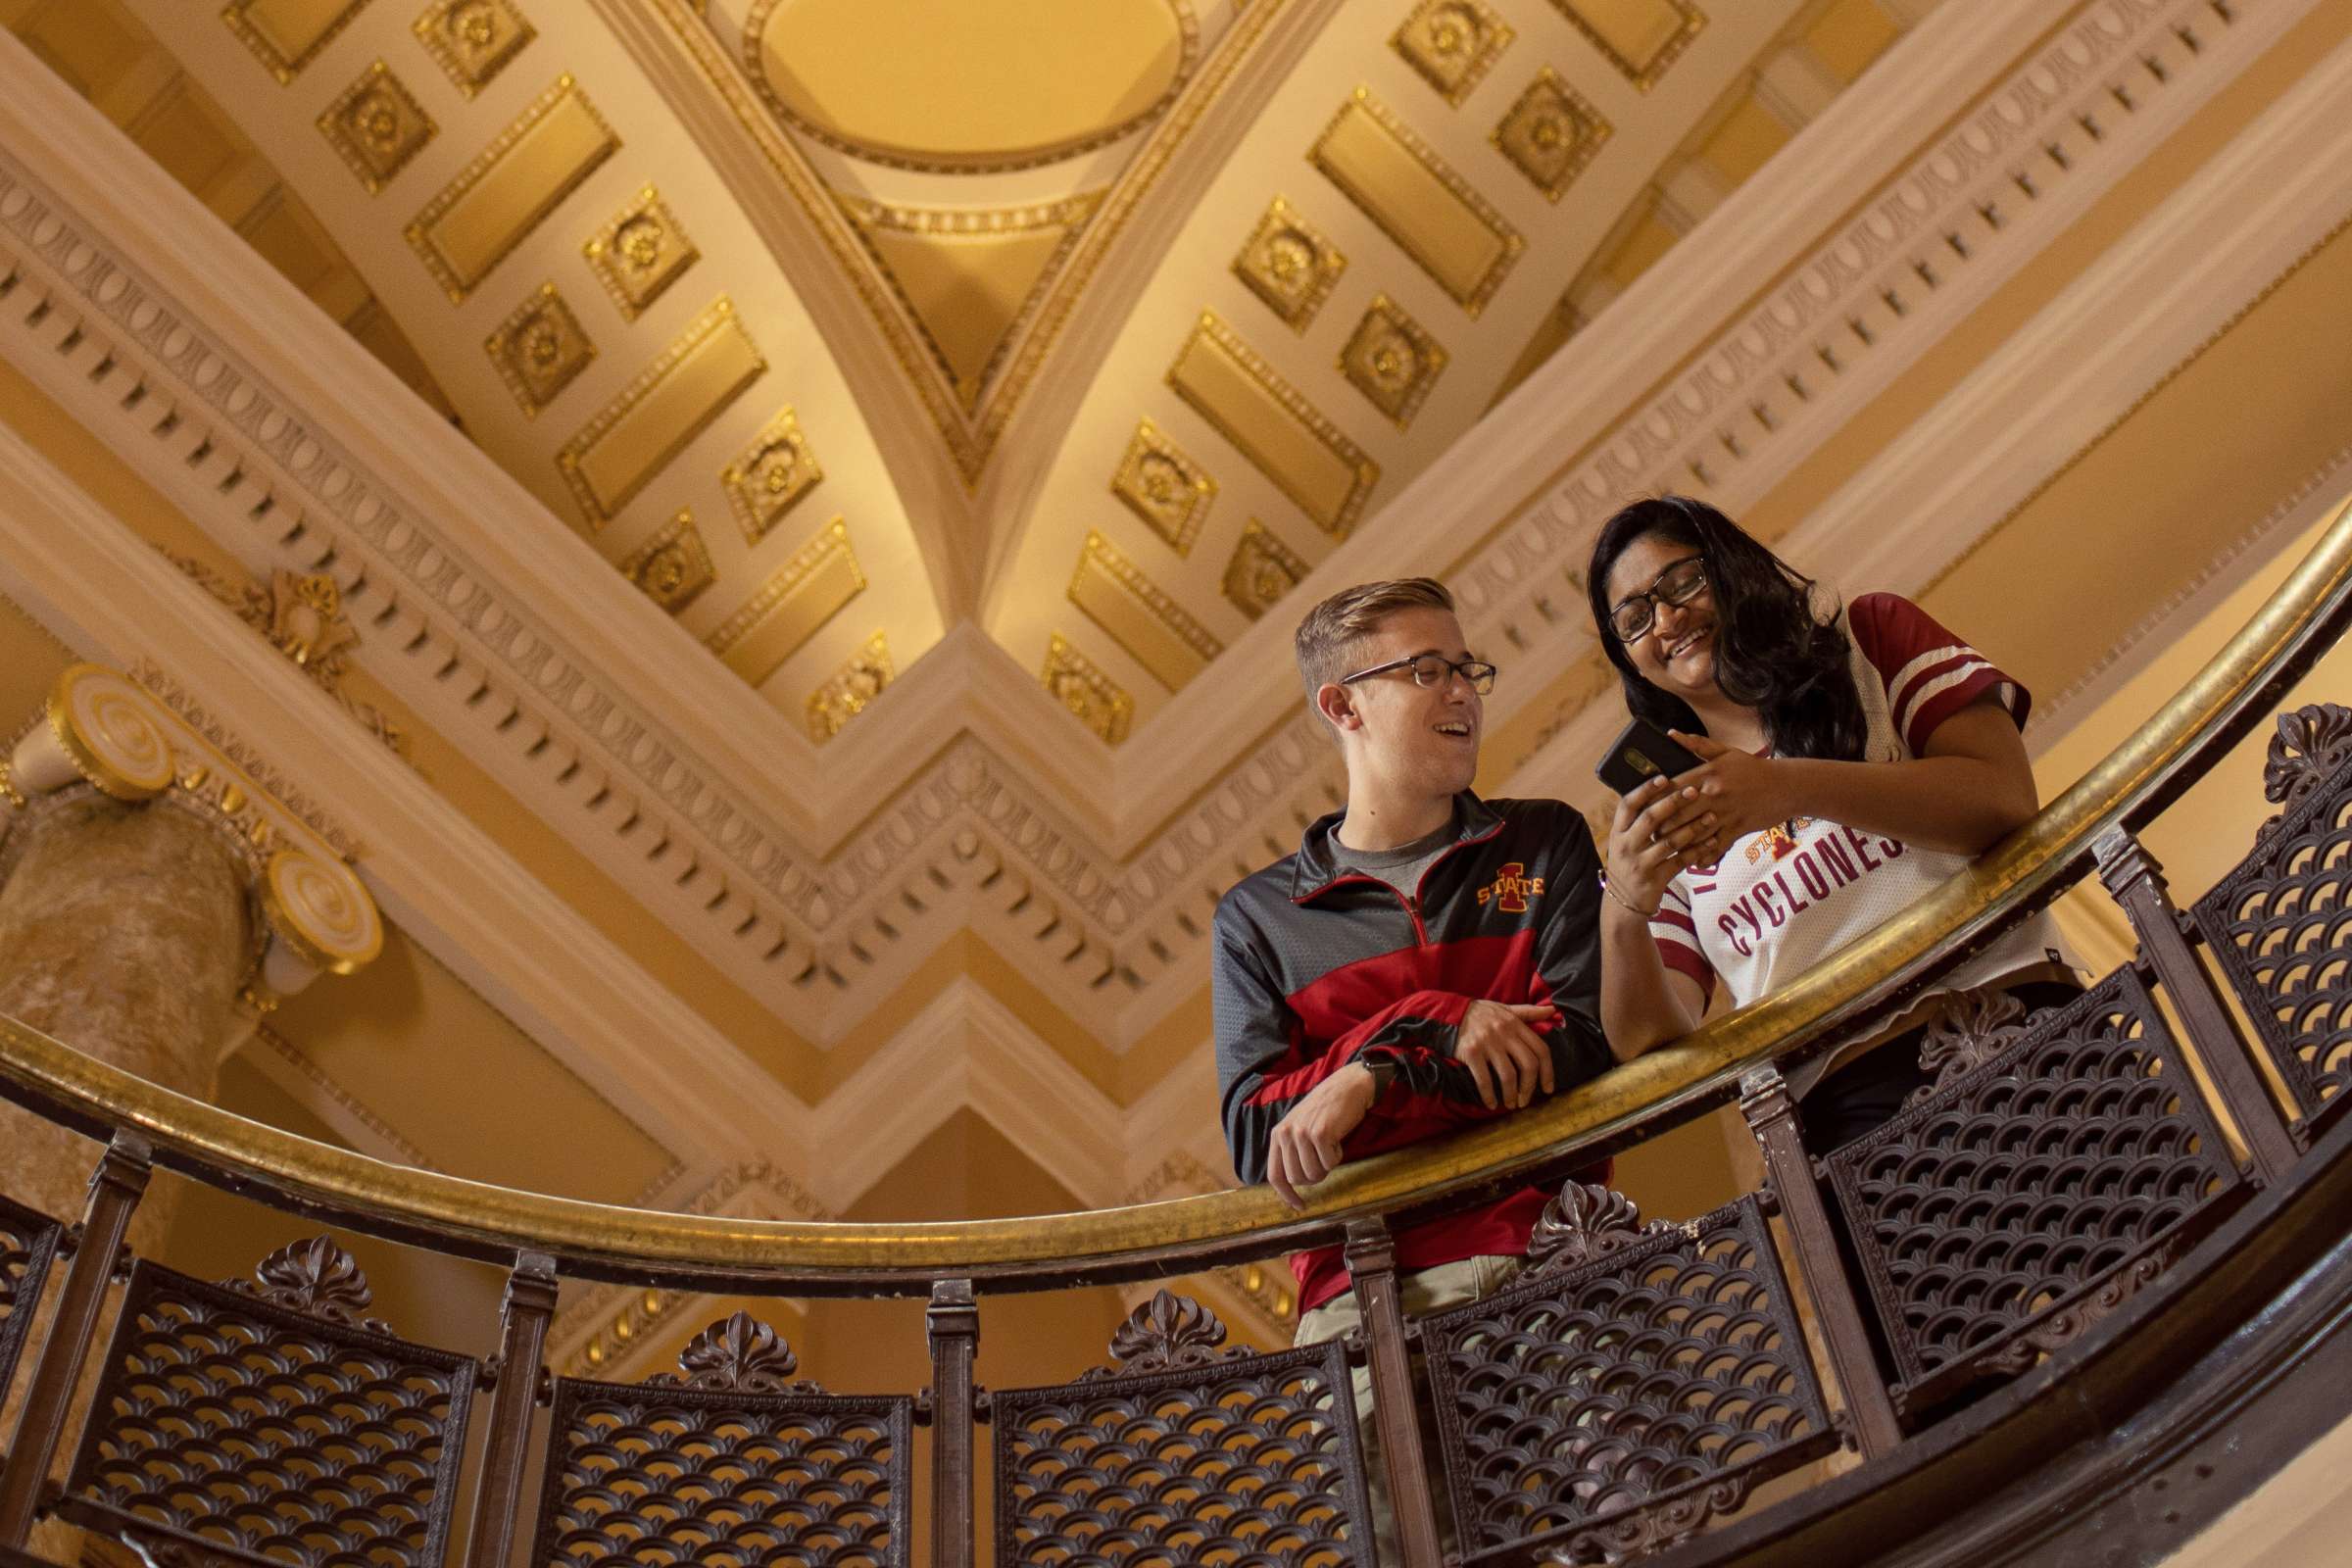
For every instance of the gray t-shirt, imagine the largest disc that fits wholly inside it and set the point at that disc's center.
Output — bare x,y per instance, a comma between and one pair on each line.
1402,866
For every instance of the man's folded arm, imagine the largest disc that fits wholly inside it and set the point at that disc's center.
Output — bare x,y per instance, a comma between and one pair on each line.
1263,1071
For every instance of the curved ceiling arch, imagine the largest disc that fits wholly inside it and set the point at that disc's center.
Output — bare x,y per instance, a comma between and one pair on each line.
1419,215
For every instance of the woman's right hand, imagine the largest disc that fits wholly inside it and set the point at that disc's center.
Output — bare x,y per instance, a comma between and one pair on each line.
1659,829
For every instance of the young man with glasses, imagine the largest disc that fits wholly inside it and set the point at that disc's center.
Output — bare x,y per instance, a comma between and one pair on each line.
1426,960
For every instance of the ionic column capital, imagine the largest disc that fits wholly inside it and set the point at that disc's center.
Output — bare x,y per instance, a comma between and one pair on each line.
100,730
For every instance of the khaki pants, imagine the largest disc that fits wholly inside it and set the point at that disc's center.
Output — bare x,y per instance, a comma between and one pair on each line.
1432,1290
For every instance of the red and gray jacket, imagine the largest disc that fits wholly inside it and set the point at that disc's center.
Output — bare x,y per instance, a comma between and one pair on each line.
1316,967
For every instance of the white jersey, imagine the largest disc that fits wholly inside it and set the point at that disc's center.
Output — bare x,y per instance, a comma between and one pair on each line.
1781,899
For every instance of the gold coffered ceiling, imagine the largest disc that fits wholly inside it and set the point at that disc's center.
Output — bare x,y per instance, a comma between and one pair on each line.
831,323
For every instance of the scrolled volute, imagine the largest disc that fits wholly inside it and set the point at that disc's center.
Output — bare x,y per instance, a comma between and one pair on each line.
1165,1334
1586,1221
740,1354
2312,742
316,1277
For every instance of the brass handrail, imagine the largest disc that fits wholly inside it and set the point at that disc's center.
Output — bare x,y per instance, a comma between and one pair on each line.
2222,702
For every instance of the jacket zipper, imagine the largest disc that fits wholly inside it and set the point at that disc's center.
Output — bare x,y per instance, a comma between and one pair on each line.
1411,900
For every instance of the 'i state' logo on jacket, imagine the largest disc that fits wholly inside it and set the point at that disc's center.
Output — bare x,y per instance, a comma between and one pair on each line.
1511,889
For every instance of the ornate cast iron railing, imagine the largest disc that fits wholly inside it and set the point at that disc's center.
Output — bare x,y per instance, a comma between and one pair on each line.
1636,1384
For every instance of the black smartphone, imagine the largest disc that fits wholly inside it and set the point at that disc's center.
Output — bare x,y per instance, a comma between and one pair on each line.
1640,753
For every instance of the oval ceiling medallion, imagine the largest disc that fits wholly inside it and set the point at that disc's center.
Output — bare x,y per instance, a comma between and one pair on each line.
977,87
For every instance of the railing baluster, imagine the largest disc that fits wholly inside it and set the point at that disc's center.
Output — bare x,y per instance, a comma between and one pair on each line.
1371,1255
2135,881
953,1322
116,1187
1771,1114
506,1448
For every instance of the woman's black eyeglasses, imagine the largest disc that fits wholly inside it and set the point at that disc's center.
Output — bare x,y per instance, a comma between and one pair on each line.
1676,585
1431,669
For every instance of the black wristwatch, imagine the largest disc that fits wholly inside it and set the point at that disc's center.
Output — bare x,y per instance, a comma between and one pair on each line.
1384,1072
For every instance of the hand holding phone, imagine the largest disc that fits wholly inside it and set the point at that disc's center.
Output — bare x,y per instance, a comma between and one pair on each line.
1640,753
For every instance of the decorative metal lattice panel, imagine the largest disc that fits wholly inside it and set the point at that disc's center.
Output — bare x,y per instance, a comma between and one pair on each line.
223,1419
1999,1216
28,1245
645,1474
1237,1459
2280,925
1615,1405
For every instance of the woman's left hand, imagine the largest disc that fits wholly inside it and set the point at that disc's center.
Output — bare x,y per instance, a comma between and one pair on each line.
1745,792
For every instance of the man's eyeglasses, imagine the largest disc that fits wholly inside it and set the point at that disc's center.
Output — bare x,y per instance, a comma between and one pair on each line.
1431,669
1676,585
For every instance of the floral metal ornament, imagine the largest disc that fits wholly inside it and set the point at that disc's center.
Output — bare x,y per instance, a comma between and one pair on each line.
1166,1334
740,1354
317,1277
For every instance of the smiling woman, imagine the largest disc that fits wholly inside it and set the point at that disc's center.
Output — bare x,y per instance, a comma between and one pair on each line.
980,85
1850,758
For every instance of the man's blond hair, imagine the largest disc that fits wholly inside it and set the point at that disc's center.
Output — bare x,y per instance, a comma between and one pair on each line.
1326,638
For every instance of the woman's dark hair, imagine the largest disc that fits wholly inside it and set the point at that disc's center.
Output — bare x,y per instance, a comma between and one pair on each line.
1773,653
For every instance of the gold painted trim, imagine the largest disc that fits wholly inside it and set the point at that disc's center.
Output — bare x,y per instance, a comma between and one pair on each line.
753,58
756,640
1085,692
680,365
1072,212
285,68
640,251
327,951
1702,1067
1335,520
460,283
472,65
128,759
1647,74
1406,222
1420,41
1157,631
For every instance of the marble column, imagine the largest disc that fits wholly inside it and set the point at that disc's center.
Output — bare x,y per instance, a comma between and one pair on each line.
125,933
